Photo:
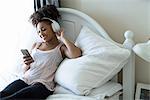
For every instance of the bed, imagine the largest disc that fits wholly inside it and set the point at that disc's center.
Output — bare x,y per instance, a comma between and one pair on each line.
73,21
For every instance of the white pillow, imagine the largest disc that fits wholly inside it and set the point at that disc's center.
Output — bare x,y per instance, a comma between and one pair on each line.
101,60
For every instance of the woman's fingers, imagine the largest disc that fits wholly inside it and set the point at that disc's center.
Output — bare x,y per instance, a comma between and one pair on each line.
60,34
62,31
28,60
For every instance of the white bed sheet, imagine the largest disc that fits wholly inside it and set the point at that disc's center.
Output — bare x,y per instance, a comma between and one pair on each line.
6,77
75,97
107,90
69,97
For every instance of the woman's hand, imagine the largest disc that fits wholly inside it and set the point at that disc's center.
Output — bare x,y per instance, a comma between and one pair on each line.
27,60
60,34
69,49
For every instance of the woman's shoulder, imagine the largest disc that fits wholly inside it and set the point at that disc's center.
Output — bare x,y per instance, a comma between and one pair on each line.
36,45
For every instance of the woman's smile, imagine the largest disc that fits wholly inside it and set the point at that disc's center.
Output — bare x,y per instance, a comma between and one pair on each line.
44,37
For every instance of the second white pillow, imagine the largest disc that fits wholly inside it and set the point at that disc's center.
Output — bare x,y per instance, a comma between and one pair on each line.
101,60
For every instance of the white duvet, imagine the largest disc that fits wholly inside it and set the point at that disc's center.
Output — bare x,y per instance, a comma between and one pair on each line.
98,94
8,77
68,97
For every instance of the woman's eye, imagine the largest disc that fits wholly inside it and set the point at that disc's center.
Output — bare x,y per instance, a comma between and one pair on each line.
38,32
43,29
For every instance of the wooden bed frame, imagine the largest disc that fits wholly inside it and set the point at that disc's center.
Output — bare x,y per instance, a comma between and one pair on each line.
72,21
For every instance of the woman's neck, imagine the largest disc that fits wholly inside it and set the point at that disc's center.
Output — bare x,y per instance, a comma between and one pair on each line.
51,44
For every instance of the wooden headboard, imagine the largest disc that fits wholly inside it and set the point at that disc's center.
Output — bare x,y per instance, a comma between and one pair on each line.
72,21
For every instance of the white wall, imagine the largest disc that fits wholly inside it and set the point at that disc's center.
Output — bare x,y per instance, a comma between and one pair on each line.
148,16
117,16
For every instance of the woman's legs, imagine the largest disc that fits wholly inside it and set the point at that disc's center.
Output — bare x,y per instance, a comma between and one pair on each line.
12,88
36,91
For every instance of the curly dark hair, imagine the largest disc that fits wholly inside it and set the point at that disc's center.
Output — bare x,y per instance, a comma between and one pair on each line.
49,11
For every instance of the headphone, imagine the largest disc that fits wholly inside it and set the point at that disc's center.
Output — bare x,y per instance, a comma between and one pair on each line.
55,25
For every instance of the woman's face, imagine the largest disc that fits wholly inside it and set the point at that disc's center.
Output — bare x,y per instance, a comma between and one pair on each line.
45,31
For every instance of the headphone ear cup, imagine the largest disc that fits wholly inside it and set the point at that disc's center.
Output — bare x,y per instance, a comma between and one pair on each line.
55,26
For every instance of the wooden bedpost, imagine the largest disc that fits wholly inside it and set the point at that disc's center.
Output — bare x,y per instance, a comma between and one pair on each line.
129,69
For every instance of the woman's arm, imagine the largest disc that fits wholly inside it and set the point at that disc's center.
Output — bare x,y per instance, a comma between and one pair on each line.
69,49
28,60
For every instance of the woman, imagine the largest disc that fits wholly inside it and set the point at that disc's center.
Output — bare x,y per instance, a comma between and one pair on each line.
40,67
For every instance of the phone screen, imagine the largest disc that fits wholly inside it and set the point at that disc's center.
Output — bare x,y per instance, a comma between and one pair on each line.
25,52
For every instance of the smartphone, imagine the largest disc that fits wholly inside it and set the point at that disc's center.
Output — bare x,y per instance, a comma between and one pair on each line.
25,52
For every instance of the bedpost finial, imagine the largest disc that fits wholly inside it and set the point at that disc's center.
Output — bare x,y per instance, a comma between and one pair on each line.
128,34
128,43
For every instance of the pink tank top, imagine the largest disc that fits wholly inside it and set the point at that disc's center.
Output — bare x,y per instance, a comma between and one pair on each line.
44,67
